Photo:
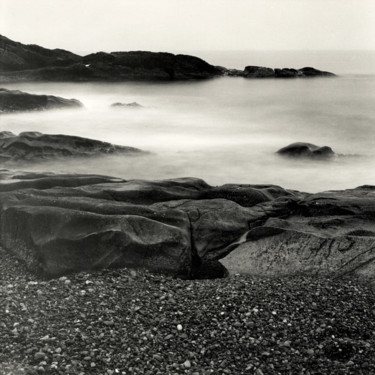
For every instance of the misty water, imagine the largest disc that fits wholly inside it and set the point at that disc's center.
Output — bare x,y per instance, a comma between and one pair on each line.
224,130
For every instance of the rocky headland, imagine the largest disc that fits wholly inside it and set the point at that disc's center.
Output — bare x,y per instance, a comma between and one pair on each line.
35,146
20,62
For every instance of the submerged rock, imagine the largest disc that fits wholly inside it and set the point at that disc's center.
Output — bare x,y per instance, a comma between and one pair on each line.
59,224
17,101
126,105
306,150
34,146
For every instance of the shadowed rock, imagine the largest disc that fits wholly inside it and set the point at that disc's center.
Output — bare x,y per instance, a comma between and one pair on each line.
306,150
18,101
66,223
34,146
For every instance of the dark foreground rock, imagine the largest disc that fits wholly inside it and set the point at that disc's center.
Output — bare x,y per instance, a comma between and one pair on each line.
61,224
18,101
126,322
35,146
306,150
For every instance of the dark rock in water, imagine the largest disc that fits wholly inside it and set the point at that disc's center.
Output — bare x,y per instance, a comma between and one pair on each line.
126,105
286,73
263,72
59,224
17,101
306,150
34,146
258,72
312,72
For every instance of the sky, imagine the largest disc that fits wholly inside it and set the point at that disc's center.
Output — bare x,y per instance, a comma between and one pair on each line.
85,26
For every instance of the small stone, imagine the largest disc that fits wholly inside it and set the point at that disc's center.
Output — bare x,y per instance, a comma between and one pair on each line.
187,364
157,357
39,355
179,327
92,364
310,351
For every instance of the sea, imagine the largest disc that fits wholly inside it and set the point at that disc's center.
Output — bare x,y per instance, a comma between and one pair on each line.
227,129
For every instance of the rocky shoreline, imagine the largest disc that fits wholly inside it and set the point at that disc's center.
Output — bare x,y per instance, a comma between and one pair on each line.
136,322
20,63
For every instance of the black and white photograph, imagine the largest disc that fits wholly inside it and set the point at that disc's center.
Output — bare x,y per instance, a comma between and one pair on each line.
187,187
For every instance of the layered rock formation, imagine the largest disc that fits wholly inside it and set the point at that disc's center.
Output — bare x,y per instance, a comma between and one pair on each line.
306,150
35,146
19,62
17,101
60,224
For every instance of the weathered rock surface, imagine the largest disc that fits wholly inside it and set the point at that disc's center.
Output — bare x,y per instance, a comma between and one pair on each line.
306,150
65,223
17,101
19,62
330,233
34,146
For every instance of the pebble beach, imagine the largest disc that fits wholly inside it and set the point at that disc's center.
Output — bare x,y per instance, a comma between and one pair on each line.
134,322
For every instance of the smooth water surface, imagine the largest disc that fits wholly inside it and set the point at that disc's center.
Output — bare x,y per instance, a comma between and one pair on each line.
224,130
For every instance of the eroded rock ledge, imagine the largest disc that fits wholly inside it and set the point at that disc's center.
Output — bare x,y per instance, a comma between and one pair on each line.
16,101
66,223
35,146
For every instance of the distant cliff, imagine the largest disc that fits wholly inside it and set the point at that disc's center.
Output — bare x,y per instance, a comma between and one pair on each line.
20,62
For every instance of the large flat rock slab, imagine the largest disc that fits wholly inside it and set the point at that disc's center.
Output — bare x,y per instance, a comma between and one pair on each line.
67,223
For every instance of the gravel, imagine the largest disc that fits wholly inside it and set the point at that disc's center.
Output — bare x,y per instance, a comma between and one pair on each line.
135,322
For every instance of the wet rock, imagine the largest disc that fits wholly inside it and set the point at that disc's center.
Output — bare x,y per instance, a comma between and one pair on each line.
306,150
18,101
35,146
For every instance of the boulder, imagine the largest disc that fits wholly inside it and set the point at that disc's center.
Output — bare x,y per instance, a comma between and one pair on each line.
34,146
306,150
17,101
